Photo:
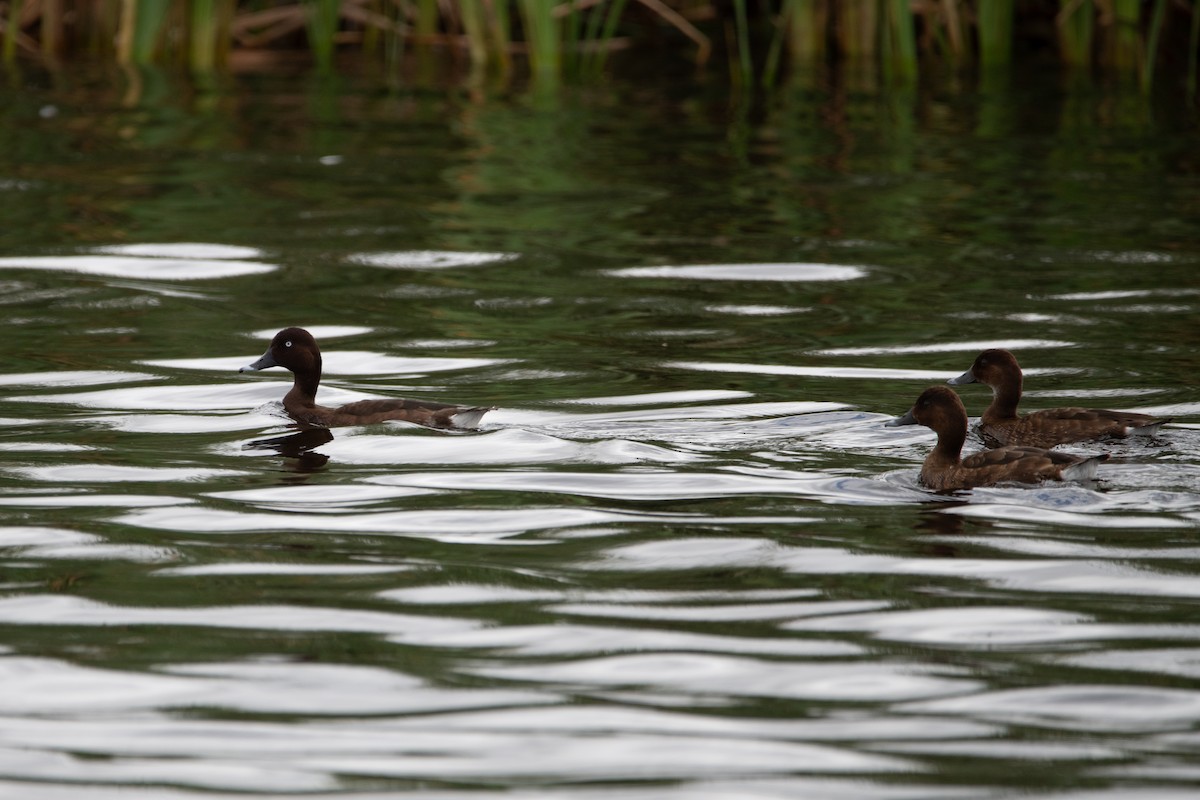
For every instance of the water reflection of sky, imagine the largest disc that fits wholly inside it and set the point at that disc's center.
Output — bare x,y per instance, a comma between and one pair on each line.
683,558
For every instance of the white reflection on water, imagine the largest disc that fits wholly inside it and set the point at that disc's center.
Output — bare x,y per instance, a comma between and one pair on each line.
54,543
504,446
720,675
747,272
68,610
141,267
265,568
317,499
480,526
320,332
73,378
183,250
1098,707
112,473
655,398
1179,661
943,347
339,362
819,371
428,259
706,788
757,310
648,485
572,640
1031,575
89,500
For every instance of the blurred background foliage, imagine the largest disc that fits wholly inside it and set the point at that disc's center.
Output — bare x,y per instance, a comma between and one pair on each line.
1144,41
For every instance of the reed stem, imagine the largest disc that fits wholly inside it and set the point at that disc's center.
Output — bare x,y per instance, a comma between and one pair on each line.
137,37
742,30
1193,46
542,38
575,37
995,32
1075,31
1156,23
322,28
900,40
12,28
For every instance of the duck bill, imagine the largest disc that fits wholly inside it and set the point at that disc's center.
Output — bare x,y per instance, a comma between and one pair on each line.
267,360
907,419
966,377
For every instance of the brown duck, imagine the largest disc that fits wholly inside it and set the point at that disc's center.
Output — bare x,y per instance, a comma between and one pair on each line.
1001,424
944,469
295,349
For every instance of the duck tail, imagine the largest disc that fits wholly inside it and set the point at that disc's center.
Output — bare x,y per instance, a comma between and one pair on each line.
470,417
1085,469
1149,429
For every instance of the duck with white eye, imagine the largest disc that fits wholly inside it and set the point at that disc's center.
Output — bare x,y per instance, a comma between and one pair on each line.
941,410
295,349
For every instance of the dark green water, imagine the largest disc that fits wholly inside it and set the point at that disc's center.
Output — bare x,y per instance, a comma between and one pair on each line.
683,558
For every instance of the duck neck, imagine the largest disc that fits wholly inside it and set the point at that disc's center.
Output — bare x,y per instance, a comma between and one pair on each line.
950,444
304,387
1005,397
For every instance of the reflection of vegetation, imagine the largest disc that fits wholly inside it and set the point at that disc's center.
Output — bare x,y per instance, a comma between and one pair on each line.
572,37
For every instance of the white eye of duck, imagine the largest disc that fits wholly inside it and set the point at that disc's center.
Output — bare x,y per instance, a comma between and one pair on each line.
287,344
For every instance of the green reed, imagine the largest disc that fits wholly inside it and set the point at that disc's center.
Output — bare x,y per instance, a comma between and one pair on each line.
995,29
140,25
1076,31
572,38
899,40
11,29
543,38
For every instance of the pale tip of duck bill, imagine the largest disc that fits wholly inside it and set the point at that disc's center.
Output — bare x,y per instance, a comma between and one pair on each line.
906,419
965,378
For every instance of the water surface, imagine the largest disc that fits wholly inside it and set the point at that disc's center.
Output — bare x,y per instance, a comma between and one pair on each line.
683,558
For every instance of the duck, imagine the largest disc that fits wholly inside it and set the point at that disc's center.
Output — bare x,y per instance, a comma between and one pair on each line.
1000,423
295,349
941,409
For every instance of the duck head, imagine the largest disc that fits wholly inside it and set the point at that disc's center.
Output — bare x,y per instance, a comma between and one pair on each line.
937,408
995,367
292,348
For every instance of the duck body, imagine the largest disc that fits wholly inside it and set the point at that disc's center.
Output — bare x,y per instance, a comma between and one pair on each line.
295,349
941,410
1000,423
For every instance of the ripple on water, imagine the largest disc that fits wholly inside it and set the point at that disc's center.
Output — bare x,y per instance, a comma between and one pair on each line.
1183,662
1101,578
111,473
739,676
42,609
61,544
340,362
560,639
478,526
428,259
246,687
202,250
321,332
1083,707
943,347
317,498
73,378
505,446
786,272
200,397
150,268
825,371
